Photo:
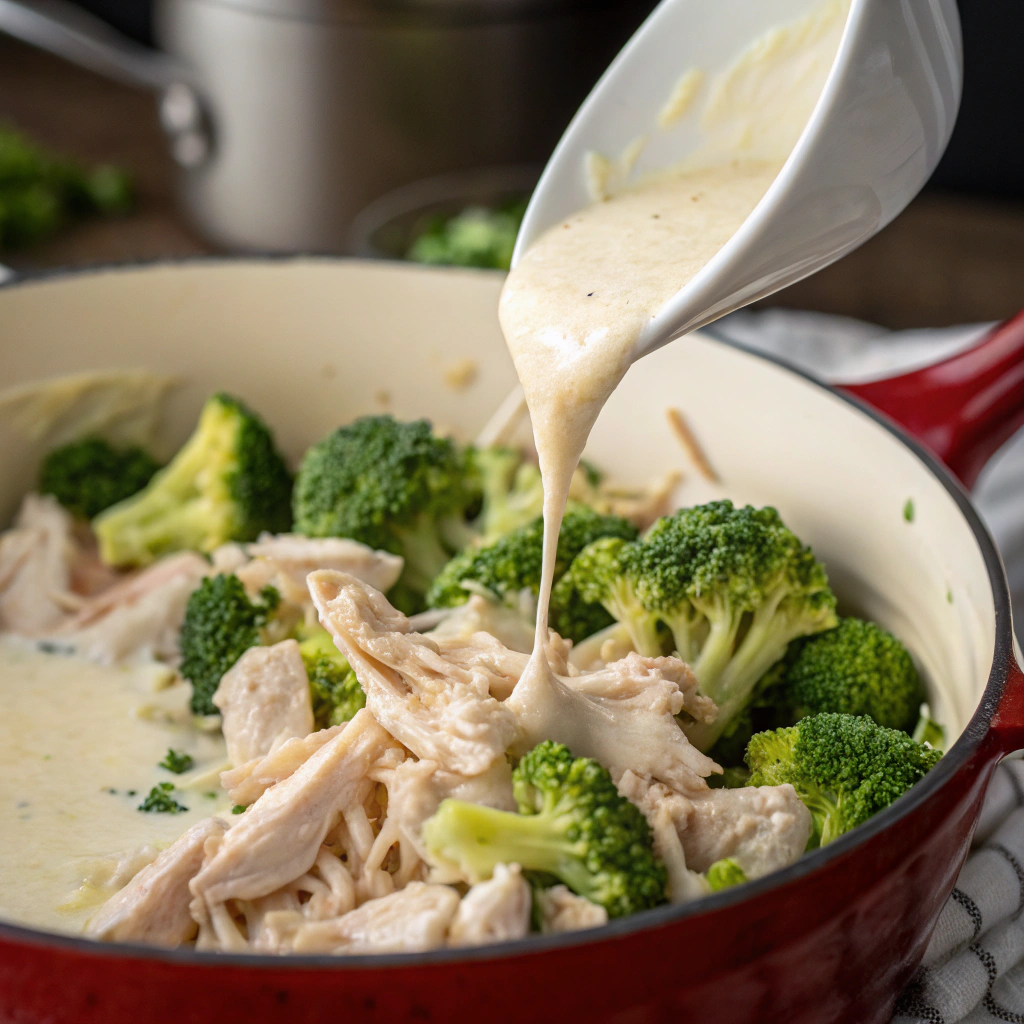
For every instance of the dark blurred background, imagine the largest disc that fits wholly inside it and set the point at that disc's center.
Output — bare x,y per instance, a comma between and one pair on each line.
957,254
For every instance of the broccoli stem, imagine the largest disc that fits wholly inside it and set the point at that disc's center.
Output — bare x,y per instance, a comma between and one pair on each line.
478,838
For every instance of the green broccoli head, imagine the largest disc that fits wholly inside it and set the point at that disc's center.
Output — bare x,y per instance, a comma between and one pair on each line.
90,475
221,624
856,669
845,768
572,824
512,564
603,575
724,874
333,687
227,483
732,585
512,491
394,486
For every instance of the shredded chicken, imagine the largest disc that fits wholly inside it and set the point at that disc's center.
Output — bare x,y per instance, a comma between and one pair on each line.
763,828
479,615
561,910
249,781
153,907
139,615
285,560
497,910
278,837
36,558
623,716
264,700
441,711
412,920
416,789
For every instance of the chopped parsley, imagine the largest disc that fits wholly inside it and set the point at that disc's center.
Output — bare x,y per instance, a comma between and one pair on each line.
176,761
161,801
238,809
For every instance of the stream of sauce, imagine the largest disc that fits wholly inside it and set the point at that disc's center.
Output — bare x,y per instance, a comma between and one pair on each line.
573,309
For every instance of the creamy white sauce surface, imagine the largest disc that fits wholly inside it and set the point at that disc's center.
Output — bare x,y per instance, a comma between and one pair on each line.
71,731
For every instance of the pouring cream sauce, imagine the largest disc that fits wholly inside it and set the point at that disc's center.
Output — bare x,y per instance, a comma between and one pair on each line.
574,307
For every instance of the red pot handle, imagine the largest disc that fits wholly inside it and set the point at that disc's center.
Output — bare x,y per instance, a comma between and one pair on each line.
963,408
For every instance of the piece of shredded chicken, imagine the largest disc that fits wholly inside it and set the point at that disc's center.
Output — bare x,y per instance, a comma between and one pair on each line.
622,716
497,910
440,710
36,559
264,700
763,828
285,560
481,615
561,910
277,839
140,615
153,907
246,783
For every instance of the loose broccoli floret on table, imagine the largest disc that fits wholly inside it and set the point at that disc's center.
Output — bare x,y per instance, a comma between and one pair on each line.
90,475
394,486
845,768
724,874
512,564
733,586
856,669
333,687
227,483
221,624
572,824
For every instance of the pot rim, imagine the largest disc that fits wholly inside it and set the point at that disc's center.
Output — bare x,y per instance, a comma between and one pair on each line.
952,761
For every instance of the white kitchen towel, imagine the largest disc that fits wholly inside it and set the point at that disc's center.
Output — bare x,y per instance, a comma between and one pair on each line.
974,965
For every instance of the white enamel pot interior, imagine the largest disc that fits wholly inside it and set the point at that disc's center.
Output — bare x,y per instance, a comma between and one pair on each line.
312,344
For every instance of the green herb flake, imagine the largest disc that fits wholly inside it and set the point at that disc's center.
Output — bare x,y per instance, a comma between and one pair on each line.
161,801
908,510
176,761
949,596
238,809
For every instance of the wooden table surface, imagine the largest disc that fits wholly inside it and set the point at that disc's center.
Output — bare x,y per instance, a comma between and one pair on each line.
947,259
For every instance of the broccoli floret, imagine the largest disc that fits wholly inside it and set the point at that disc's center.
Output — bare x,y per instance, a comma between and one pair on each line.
227,483
391,485
732,585
855,669
512,564
572,823
221,624
724,874
928,730
513,494
845,768
90,475
476,237
603,575
333,687
176,761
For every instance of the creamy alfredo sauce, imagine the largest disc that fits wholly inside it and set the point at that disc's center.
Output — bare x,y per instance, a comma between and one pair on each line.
71,732
573,309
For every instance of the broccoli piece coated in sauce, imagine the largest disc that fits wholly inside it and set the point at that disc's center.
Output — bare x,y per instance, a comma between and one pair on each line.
572,824
333,687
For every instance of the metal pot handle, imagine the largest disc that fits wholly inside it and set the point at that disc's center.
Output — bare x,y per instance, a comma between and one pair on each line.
963,408
65,31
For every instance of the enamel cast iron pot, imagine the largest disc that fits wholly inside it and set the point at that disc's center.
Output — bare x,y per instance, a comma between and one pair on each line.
832,938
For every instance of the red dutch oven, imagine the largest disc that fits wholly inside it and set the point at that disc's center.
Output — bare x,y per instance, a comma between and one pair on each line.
835,936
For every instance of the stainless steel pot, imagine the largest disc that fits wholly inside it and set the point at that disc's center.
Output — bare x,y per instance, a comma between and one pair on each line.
287,117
